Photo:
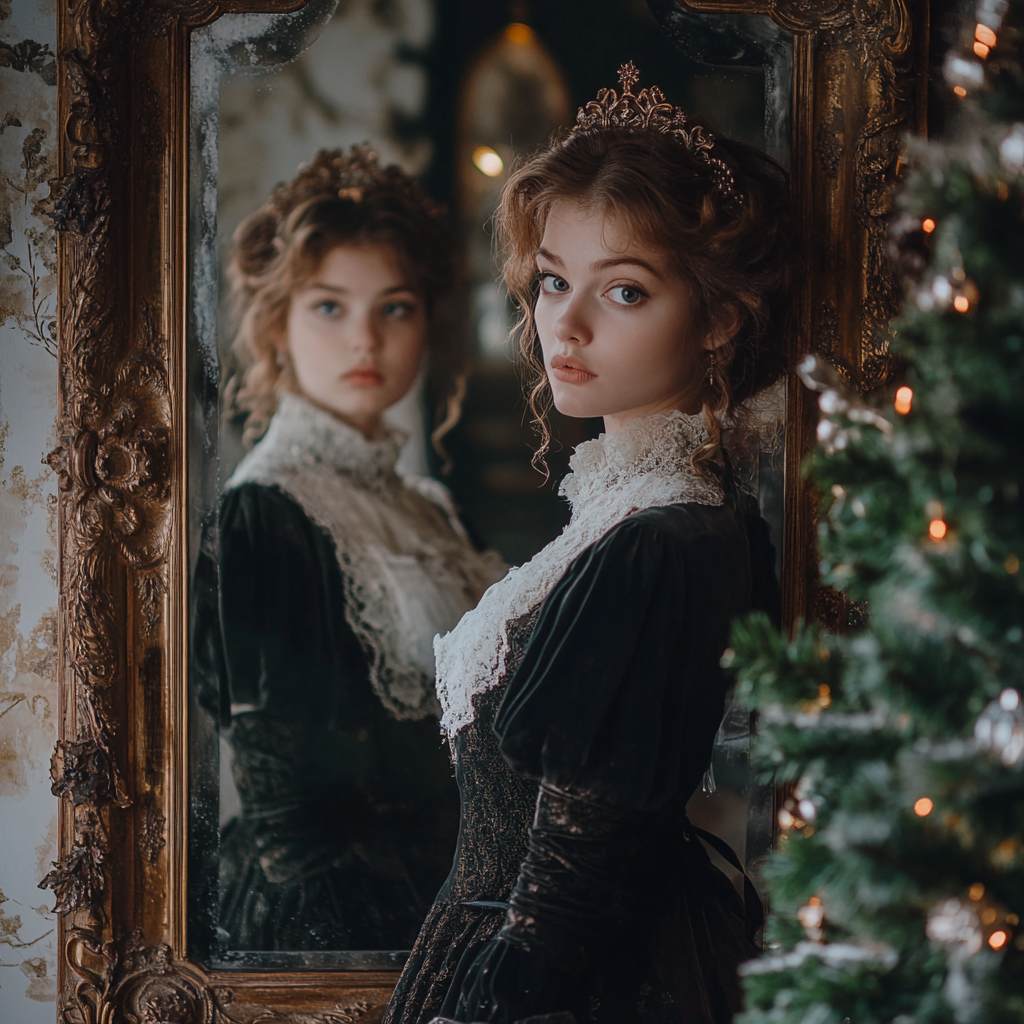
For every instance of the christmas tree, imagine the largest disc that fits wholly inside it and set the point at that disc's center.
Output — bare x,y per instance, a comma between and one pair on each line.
897,890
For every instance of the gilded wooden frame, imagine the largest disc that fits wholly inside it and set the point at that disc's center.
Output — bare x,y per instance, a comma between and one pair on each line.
120,209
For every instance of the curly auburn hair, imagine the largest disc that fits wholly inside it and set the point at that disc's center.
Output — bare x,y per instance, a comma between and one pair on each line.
735,255
335,200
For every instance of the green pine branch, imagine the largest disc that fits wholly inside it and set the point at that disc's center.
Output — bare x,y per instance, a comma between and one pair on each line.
897,888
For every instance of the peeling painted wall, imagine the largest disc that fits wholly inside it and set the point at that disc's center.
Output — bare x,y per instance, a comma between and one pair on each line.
28,586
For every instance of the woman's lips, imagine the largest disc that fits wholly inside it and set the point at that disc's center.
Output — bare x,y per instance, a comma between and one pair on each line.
570,371
364,377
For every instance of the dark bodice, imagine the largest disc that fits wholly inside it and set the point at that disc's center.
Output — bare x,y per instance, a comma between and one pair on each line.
615,692
339,798
497,804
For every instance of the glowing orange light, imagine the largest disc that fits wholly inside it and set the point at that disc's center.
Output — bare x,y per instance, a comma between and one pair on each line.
981,50
519,33
923,807
960,304
959,90
988,915
488,161
1012,564
1002,191
936,529
904,400
984,35
927,225
976,891
814,901
998,939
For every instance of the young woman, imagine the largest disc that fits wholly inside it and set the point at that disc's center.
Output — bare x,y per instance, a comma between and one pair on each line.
582,696
327,575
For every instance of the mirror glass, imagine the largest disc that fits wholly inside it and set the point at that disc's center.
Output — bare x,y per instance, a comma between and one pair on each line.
451,90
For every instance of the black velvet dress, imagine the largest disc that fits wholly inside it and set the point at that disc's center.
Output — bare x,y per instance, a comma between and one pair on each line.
610,708
349,816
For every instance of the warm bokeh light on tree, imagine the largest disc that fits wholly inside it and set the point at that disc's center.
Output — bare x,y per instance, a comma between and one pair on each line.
898,886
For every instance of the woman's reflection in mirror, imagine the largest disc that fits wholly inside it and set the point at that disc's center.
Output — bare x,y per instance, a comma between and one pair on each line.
652,265
326,573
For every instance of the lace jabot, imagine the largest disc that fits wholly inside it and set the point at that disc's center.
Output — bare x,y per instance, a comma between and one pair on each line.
644,465
409,571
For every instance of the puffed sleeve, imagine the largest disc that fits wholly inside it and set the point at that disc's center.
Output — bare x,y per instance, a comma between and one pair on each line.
280,637
619,692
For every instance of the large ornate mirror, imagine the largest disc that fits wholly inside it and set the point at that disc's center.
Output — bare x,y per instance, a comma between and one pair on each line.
180,119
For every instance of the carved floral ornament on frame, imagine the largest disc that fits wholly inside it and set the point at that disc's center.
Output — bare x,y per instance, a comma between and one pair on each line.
121,468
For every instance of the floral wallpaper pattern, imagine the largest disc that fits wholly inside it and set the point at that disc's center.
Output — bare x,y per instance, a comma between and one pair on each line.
28,585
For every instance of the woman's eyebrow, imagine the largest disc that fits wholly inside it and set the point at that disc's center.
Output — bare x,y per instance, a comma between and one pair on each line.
320,287
625,261
341,290
608,264
549,256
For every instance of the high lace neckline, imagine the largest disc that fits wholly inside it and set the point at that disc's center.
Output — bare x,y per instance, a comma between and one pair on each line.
644,465
408,569
315,437
662,443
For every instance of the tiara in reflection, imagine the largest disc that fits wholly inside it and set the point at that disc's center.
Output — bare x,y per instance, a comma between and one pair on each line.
333,174
649,111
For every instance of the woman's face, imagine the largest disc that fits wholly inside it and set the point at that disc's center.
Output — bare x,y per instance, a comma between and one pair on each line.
613,320
356,334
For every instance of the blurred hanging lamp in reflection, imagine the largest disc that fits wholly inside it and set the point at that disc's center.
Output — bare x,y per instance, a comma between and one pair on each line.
488,161
518,32
513,98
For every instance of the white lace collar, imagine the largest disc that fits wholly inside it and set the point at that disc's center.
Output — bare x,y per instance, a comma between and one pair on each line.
660,444
312,436
407,567
644,465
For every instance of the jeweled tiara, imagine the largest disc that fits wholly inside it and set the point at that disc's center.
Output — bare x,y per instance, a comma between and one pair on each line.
649,110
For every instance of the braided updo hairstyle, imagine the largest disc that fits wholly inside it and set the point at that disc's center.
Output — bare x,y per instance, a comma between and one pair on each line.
734,252
334,200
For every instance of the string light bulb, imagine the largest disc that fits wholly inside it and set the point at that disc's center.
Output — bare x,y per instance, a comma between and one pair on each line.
923,807
959,91
928,225
961,304
981,49
812,916
984,35
904,400
937,529
998,939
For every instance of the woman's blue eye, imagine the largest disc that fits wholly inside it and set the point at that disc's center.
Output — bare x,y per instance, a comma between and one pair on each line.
328,307
553,284
398,309
624,295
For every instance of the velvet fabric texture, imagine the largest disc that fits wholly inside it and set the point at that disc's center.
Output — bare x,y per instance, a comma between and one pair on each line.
349,816
612,702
